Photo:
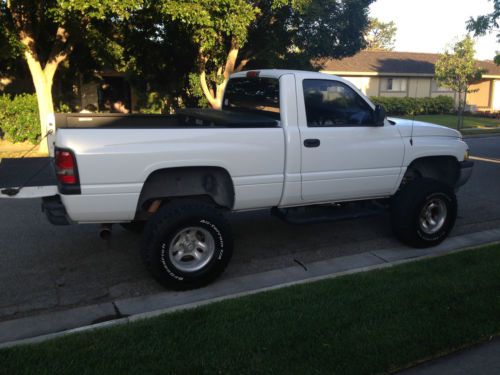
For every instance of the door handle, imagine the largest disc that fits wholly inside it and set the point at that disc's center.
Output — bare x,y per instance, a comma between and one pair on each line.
313,142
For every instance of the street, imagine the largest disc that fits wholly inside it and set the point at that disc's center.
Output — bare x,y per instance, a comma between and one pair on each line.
45,267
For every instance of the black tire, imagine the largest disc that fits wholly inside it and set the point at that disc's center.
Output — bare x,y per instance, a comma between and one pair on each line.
167,225
408,208
134,226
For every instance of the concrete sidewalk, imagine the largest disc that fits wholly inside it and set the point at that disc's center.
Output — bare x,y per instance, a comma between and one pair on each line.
46,326
483,359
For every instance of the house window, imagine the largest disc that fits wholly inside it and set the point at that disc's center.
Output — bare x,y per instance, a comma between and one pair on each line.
437,88
394,84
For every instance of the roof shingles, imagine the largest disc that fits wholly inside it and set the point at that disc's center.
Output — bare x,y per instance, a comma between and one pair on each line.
391,62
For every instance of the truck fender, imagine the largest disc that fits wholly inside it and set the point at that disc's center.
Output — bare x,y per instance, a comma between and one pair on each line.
441,168
213,183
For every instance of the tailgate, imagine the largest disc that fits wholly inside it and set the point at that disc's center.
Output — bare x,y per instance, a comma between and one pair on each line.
36,177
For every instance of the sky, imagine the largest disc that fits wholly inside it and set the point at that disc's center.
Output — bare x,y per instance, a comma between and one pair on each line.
431,25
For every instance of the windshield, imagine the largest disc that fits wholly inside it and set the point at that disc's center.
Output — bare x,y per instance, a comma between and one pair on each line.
256,94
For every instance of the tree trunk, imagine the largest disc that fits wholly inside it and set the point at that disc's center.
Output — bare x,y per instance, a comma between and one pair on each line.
43,77
215,97
463,109
459,117
43,88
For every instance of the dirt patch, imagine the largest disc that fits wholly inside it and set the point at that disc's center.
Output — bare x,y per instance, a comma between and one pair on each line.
17,150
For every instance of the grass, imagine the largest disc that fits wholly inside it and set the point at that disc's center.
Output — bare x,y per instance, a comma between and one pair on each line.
472,124
373,322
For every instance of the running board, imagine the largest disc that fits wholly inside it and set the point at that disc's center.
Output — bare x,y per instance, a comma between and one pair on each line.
330,212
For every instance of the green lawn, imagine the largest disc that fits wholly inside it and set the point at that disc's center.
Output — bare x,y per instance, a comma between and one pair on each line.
472,124
372,322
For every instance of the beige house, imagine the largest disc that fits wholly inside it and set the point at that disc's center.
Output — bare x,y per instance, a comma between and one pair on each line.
410,74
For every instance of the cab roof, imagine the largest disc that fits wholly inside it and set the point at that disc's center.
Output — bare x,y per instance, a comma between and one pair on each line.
277,73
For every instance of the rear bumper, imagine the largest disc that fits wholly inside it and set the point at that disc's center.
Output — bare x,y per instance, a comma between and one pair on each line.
55,211
465,172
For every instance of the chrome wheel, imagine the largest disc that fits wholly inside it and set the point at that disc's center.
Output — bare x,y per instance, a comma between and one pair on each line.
191,249
433,216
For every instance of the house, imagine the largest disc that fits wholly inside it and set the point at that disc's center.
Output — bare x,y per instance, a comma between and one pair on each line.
411,74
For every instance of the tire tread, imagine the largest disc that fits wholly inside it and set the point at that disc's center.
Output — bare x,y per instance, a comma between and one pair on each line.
166,217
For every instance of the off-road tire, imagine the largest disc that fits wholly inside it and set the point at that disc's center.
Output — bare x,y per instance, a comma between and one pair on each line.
168,222
408,206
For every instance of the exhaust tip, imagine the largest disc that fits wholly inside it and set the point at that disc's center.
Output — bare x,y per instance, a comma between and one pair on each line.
105,232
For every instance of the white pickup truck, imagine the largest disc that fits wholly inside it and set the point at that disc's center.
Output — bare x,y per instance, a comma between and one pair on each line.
308,146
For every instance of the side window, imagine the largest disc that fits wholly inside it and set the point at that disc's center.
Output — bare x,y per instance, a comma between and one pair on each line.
332,103
394,84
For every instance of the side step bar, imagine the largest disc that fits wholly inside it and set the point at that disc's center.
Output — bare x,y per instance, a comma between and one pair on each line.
330,212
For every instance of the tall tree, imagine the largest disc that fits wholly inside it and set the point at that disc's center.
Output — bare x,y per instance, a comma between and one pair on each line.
380,35
150,35
9,53
48,32
229,34
457,70
301,35
487,23
218,28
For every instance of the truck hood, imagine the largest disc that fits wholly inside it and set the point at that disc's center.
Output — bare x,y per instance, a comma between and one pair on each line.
423,129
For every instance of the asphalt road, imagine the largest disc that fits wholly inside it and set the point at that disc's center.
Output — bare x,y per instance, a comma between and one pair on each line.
44,267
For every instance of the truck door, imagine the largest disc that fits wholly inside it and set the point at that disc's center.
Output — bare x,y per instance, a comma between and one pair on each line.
344,155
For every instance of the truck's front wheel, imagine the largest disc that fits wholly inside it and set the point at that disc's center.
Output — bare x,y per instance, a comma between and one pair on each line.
424,212
187,244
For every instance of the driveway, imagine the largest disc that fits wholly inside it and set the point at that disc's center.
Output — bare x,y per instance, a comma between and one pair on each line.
45,267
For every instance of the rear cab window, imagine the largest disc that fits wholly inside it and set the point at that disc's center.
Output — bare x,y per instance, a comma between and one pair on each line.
259,95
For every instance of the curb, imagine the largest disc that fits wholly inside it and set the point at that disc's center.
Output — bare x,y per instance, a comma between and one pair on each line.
40,328
480,135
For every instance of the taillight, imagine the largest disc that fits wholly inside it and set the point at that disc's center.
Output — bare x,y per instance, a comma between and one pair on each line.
66,167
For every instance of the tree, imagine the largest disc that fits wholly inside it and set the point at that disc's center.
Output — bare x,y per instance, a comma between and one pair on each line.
151,36
457,70
218,28
302,35
487,23
48,32
9,53
229,34
380,35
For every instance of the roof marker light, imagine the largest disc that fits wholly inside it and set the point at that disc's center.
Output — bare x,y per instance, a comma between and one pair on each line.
253,74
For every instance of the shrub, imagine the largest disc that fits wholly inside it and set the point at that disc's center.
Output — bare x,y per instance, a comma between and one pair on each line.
415,106
19,119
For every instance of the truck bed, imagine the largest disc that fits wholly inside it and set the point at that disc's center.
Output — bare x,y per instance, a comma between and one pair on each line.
185,118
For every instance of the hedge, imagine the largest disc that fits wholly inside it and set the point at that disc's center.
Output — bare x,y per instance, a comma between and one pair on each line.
415,106
19,120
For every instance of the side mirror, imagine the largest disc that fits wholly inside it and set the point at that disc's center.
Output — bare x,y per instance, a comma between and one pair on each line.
379,115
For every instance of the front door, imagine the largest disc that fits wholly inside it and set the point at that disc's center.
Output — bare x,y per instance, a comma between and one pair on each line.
344,155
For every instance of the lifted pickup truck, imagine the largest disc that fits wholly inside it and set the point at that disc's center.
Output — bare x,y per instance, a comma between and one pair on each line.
306,145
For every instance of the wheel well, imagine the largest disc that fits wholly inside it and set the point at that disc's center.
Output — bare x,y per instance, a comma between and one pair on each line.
441,168
208,183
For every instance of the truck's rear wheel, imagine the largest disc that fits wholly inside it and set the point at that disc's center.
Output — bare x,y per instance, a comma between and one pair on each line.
424,212
187,244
